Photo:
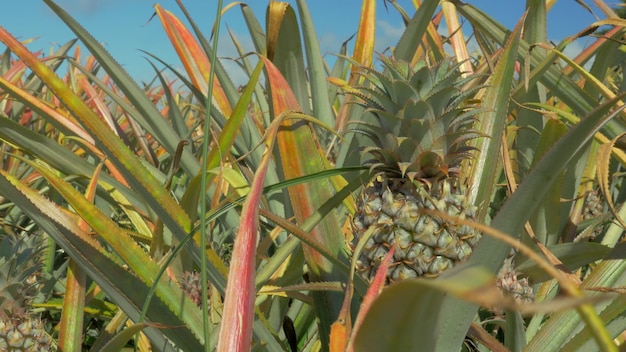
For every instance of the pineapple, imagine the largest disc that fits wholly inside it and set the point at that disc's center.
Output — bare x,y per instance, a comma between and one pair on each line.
513,287
593,210
19,268
420,142
509,282
192,286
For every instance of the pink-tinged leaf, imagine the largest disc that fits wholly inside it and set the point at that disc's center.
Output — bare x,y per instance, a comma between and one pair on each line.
97,103
377,285
72,316
283,99
15,71
143,180
236,329
341,329
301,156
193,57
225,141
45,109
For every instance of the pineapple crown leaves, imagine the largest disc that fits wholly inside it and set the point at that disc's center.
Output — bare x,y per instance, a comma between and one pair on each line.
398,83
22,256
418,109
20,259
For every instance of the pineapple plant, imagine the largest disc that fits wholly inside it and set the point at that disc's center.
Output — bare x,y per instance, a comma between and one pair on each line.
423,124
20,330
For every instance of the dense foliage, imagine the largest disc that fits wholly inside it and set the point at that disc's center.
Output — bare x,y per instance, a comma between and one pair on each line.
450,194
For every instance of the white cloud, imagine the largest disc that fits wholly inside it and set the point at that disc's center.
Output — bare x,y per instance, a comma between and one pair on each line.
330,43
390,31
573,49
227,51
387,35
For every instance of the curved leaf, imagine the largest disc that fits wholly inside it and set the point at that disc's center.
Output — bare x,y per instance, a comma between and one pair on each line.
604,158
406,314
572,255
458,315
124,246
193,57
124,288
300,155
157,125
365,39
238,313
412,37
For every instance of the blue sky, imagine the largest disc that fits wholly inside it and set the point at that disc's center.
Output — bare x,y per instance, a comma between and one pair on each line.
124,26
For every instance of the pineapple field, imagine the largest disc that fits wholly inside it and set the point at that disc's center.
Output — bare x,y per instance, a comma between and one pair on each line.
459,191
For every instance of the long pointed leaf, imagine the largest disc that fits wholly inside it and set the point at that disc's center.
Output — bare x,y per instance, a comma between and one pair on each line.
492,122
220,72
126,290
320,101
193,57
159,127
72,317
238,314
412,37
529,195
141,179
133,255
42,108
300,156
364,46
287,51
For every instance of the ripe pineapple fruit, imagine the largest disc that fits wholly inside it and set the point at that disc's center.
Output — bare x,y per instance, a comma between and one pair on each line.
19,267
420,142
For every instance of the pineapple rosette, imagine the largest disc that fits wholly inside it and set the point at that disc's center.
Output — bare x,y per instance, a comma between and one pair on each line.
418,151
